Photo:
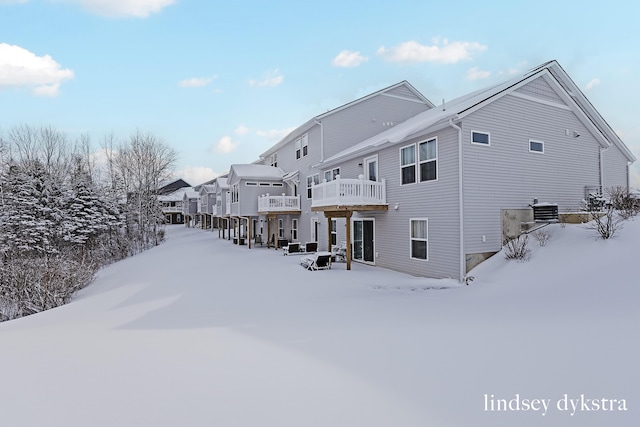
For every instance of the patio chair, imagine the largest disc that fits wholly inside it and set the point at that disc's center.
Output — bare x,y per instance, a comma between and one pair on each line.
257,240
292,247
311,247
317,261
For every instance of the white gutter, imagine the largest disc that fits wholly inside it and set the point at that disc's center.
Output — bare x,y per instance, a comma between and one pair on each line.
463,266
319,123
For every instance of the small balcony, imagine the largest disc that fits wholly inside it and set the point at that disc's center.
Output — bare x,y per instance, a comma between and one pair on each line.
278,204
349,194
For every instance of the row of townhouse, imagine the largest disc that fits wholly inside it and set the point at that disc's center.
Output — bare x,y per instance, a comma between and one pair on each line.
422,188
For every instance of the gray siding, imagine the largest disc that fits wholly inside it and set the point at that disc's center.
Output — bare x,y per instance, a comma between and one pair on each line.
435,200
539,88
506,175
614,169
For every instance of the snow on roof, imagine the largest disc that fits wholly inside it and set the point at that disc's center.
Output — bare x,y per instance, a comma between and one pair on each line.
174,196
221,182
252,171
454,109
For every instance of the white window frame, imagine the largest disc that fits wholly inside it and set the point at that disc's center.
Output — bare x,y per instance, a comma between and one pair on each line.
334,232
294,229
298,148
420,162
305,145
314,234
331,174
312,179
421,239
280,228
366,162
487,144
414,164
251,184
273,159
536,141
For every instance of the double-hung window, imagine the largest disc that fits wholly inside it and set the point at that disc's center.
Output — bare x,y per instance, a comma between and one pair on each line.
428,156
294,229
298,148
330,175
305,144
311,181
408,164
419,238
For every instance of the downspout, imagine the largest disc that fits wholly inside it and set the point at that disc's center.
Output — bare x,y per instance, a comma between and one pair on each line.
463,267
319,123
601,166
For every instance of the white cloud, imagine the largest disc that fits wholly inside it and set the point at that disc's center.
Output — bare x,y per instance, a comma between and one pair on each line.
21,68
274,134
196,175
593,83
225,145
122,8
476,73
271,78
349,59
440,52
241,130
197,81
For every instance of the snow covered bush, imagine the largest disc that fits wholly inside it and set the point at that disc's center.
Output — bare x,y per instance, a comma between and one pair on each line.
606,222
542,236
624,202
517,248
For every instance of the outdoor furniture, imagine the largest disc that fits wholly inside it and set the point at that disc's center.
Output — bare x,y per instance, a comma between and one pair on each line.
339,252
282,243
311,247
257,240
292,247
316,261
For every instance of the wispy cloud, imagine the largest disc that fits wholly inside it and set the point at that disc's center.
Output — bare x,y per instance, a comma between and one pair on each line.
22,68
122,8
441,51
241,130
476,73
593,83
225,145
197,81
270,78
349,59
196,175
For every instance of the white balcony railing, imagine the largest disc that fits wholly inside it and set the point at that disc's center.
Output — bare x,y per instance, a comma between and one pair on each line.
268,203
349,192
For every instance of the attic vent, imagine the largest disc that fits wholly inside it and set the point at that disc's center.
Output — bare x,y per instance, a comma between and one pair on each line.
545,212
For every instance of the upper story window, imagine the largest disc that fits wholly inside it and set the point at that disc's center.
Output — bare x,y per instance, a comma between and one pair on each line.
536,146
311,181
428,153
330,175
273,159
250,184
408,164
480,138
302,146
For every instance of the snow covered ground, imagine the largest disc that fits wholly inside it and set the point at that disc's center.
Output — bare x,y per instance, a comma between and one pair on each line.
198,332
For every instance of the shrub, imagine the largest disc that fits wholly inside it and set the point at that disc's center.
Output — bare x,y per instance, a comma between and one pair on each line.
517,248
542,236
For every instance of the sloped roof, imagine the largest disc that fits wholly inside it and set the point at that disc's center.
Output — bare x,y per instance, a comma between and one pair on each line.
251,171
314,120
175,196
221,183
456,109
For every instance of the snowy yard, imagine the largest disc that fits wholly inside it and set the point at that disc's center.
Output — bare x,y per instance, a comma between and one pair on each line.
198,332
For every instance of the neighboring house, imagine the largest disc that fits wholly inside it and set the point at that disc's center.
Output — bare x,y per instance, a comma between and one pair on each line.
456,175
248,183
302,152
190,199
168,187
171,205
221,211
206,204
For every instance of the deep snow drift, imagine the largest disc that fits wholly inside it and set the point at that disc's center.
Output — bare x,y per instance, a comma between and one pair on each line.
198,332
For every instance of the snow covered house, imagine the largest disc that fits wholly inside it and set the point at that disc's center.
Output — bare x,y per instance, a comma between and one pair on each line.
449,177
247,184
206,204
287,213
190,199
221,211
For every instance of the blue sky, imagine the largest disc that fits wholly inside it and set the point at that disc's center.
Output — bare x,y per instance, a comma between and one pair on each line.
223,81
